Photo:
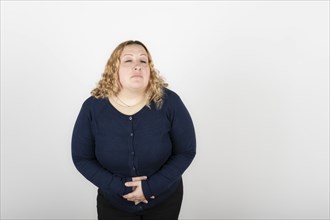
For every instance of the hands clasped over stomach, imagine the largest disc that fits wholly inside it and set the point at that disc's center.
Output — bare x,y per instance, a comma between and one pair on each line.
137,195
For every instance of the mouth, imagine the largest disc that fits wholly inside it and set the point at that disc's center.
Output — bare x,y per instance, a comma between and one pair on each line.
136,76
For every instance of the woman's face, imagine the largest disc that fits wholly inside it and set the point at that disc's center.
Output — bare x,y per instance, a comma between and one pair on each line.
134,70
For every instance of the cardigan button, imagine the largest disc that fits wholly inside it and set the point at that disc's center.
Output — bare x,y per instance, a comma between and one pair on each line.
130,118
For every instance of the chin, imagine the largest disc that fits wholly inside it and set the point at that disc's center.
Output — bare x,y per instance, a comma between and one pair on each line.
138,88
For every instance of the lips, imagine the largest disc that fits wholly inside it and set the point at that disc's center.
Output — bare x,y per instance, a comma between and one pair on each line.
136,76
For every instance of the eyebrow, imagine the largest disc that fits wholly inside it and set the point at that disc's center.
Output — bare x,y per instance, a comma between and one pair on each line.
130,54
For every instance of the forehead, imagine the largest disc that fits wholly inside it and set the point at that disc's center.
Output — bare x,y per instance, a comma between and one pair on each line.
134,49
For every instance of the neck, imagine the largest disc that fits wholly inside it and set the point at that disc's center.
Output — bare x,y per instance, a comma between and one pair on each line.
130,98
131,95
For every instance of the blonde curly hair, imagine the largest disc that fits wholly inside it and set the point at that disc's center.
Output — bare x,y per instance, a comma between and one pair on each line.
109,85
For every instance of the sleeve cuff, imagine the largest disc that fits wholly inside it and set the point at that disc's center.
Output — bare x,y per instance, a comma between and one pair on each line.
146,189
118,186
127,189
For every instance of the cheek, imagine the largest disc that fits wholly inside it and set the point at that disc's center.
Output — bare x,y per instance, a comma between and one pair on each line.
121,78
147,80
147,75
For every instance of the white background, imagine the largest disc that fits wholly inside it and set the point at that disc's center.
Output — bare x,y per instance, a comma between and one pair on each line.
253,74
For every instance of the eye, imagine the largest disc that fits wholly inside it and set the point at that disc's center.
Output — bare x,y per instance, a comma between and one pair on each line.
127,61
143,61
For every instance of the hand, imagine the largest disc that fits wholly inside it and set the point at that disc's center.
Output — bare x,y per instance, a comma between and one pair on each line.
138,178
137,195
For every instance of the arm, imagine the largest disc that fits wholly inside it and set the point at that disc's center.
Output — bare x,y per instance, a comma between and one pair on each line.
83,154
184,149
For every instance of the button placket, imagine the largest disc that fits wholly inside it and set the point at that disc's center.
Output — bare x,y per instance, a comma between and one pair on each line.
130,118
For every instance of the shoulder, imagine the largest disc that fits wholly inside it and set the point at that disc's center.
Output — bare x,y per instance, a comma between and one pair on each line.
92,106
90,101
93,103
171,99
170,95
174,106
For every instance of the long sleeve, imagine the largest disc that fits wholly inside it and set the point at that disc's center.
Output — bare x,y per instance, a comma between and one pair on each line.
83,153
183,140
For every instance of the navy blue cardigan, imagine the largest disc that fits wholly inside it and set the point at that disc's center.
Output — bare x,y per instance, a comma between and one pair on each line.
109,148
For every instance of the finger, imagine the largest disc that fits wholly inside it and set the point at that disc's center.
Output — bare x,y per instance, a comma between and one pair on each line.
139,178
130,184
139,201
134,199
129,196
133,196
152,197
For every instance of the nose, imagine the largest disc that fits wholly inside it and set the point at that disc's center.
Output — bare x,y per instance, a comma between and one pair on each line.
136,67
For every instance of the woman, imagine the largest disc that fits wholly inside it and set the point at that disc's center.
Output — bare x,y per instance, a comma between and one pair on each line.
133,139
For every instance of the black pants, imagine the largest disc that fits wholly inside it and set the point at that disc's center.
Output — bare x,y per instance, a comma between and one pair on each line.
168,210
